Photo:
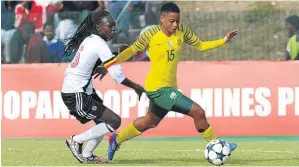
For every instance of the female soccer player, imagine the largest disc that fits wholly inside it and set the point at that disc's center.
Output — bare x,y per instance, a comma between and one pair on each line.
164,43
78,94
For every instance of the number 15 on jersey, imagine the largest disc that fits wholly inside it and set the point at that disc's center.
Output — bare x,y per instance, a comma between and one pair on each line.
170,55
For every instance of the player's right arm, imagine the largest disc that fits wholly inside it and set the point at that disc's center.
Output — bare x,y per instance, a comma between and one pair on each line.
139,45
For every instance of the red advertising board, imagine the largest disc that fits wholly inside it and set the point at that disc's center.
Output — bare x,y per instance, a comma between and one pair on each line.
246,98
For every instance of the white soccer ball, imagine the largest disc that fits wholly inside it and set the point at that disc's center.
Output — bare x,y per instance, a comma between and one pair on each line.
217,152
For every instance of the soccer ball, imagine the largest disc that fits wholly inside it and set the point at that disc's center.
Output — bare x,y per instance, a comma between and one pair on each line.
217,152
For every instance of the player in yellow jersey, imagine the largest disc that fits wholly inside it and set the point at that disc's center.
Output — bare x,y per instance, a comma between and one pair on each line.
164,43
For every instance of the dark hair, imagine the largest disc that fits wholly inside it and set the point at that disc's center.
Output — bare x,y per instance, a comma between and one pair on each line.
170,7
294,21
85,29
48,24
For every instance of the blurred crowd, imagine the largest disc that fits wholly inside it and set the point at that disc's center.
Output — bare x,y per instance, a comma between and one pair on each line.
34,31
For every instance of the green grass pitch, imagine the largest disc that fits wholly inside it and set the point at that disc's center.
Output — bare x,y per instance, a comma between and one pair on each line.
252,151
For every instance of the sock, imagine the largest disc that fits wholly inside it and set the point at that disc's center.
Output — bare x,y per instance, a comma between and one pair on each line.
128,133
95,132
208,134
91,146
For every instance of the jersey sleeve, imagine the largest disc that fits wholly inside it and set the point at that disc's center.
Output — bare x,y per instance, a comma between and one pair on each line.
189,36
105,53
142,41
194,40
111,64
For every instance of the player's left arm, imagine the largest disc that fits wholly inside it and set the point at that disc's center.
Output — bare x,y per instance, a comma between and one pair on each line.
115,70
194,40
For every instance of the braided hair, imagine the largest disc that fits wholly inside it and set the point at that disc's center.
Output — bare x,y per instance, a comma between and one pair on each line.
86,28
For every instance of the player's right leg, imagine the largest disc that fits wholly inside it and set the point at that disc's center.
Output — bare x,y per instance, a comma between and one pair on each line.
85,108
140,125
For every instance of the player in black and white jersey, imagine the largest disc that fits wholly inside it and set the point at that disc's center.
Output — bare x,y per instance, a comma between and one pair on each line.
78,94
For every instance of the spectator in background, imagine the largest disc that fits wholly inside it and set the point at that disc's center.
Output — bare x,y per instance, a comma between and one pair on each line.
69,6
37,51
90,6
2,54
152,15
49,9
7,27
6,36
37,12
22,12
8,14
55,47
27,47
19,39
115,8
100,6
292,26
37,16
67,25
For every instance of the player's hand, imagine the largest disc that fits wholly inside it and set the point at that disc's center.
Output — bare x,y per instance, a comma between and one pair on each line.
229,36
139,90
100,71
122,48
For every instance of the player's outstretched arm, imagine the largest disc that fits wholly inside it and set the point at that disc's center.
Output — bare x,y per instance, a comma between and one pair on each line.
207,45
194,40
139,45
126,54
230,35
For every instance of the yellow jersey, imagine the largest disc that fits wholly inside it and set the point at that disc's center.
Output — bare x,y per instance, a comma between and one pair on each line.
164,52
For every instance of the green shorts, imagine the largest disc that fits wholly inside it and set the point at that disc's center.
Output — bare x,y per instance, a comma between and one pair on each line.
168,99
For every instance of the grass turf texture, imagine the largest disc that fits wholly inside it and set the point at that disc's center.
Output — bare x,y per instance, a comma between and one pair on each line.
252,151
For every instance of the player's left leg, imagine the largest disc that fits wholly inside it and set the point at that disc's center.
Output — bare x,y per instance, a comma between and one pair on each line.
106,122
188,107
93,144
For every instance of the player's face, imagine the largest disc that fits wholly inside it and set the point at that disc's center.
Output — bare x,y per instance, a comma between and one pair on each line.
109,30
49,32
107,27
170,22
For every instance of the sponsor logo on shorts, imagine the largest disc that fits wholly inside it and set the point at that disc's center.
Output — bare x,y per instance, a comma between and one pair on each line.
94,108
173,95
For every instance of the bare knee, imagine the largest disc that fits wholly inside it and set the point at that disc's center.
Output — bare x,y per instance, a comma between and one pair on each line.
112,120
152,124
197,112
115,122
